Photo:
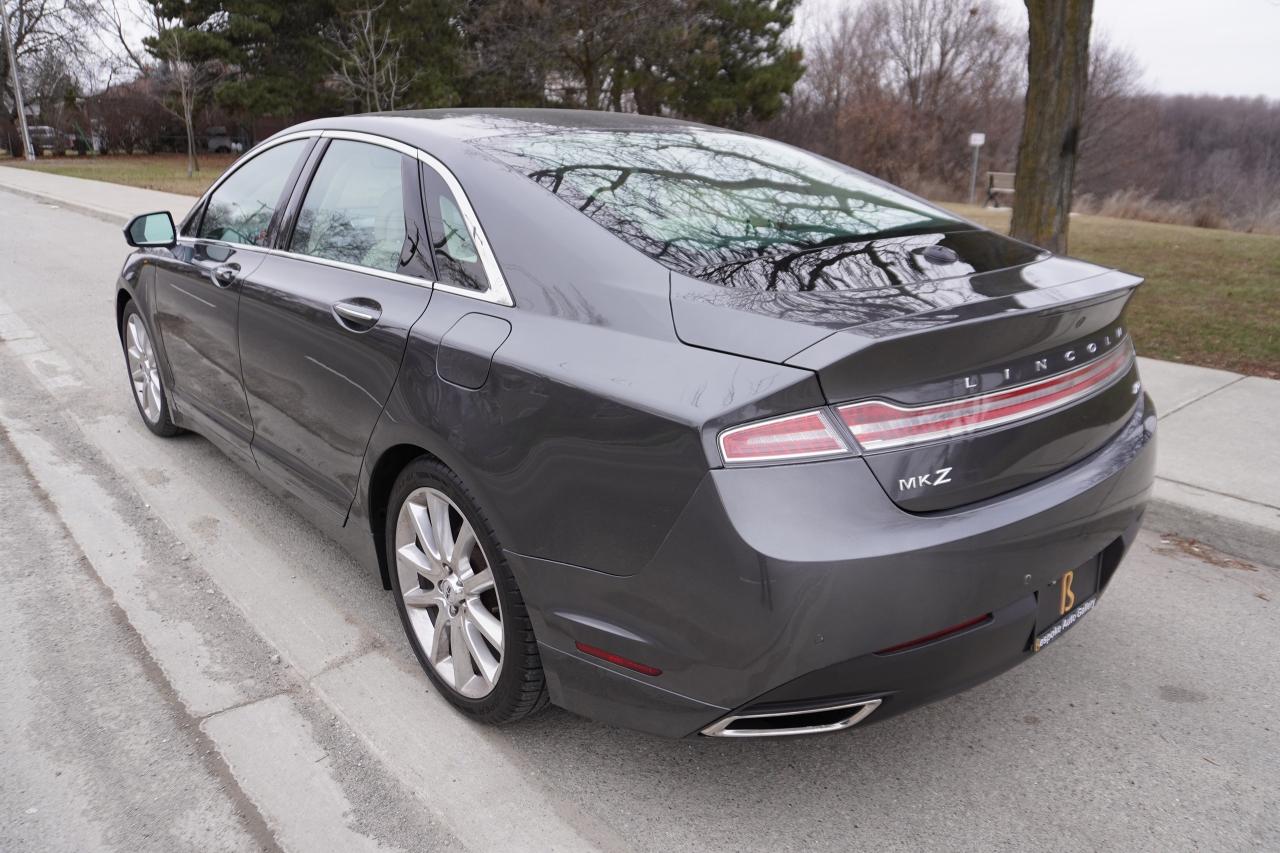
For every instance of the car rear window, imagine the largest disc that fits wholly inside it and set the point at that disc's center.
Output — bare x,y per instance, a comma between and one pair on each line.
697,199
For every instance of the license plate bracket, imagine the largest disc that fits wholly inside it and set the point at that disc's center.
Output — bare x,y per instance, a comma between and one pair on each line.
1064,602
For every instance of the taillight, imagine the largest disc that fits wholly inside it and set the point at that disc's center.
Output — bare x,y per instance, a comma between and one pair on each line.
878,425
790,438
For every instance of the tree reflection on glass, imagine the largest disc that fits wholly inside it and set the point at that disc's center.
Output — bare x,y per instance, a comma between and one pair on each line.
457,258
240,209
354,208
734,209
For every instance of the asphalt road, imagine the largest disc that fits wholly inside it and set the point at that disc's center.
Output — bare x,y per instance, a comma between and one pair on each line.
187,665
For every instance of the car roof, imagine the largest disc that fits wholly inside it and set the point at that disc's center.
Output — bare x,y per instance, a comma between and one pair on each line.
453,136
432,129
487,121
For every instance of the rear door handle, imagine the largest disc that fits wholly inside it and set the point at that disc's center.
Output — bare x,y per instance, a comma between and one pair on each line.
357,315
224,275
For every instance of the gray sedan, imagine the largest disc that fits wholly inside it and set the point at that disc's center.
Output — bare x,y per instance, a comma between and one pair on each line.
678,428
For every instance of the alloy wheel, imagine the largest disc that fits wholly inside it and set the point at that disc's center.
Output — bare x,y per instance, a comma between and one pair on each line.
447,584
144,370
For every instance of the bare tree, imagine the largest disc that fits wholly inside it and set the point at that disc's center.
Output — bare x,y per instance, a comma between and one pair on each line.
165,57
1057,83
39,29
367,61
188,80
896,86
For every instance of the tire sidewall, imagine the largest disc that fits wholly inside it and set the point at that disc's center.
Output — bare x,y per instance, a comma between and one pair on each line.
427,473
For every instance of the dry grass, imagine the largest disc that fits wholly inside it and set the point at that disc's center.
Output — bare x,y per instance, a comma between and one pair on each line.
1136,204
165,172
1212,297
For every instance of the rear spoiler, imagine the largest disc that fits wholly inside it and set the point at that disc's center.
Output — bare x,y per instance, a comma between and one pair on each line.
918,357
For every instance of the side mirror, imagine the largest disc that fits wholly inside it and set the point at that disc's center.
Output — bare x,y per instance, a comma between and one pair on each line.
151,230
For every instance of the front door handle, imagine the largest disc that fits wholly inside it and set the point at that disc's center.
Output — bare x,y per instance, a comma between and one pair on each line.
357,315
224,275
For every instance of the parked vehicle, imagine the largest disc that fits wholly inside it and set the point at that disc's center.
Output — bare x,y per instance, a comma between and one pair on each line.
46,141
678,428
219,141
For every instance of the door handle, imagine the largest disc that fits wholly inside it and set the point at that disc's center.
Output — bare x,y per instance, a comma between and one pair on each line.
224,275
359,315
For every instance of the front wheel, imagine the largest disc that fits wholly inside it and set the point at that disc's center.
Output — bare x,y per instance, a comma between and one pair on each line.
144,373
458,600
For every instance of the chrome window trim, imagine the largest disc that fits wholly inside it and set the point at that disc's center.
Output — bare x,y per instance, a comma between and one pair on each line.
342,265
237,166
498,293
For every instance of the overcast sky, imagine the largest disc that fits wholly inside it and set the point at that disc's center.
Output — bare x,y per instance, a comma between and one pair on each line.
1220,47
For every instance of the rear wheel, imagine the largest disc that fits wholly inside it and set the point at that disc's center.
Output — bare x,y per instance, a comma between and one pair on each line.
144,373
458,601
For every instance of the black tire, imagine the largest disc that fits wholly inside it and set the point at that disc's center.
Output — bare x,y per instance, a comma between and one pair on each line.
520,688
162,424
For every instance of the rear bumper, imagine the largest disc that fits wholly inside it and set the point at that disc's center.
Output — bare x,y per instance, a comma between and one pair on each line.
777,586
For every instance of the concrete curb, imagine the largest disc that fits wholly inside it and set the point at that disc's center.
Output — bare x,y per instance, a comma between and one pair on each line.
79,207
1242,529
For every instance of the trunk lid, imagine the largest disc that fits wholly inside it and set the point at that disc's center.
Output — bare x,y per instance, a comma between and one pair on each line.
1023,357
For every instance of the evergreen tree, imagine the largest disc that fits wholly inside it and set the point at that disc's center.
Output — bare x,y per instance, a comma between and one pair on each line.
272,50
720,61
740,66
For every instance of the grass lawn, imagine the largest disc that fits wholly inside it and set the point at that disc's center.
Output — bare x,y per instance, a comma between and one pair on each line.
166,172
1212,297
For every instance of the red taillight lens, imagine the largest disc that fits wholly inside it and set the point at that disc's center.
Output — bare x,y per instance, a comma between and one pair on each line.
794,437
878,425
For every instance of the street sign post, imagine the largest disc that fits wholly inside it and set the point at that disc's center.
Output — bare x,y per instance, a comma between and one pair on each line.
976,141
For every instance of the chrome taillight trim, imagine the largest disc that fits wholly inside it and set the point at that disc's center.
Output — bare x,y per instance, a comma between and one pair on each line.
1058,391
859,711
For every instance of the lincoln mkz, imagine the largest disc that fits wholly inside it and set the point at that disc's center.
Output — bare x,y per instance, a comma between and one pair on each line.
678,428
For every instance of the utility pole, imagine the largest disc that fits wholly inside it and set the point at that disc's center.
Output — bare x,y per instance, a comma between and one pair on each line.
976,141
17,87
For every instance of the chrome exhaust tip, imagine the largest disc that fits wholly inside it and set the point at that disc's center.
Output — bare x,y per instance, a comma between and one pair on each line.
805,721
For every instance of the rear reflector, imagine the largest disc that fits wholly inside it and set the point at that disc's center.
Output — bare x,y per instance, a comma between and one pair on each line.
790,438
635,666
878,425
936,635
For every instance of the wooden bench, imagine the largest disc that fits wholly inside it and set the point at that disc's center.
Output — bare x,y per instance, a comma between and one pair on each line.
998,184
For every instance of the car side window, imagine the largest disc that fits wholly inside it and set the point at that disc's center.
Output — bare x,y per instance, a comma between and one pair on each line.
240,210
354,209
457,258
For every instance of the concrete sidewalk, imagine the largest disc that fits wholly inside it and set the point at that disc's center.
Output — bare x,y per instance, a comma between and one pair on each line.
1219,460
1219,457
111,202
